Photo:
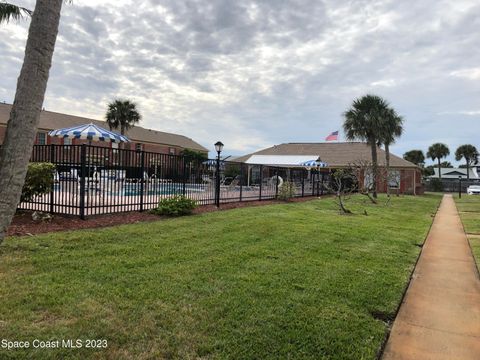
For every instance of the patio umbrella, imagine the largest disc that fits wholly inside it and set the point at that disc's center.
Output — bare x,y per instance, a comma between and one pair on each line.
89,132
213,162
313,163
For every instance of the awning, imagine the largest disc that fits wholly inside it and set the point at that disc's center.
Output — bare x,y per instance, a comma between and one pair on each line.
280,160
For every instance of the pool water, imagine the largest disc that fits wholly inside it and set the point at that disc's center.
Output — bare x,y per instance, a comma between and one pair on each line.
163,189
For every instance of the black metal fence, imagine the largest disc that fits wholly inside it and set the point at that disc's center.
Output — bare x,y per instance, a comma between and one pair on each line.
449,185
92,180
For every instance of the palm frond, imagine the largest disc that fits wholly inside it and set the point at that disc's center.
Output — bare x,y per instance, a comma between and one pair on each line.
12,12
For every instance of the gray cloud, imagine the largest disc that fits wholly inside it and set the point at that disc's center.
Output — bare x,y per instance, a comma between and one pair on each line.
256,73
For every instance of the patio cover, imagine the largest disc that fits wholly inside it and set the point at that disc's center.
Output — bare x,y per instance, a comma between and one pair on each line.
280,160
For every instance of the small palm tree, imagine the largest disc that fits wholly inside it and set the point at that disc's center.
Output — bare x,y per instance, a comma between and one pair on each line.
469,153
362,122
12,12
391,128
438,151
122,114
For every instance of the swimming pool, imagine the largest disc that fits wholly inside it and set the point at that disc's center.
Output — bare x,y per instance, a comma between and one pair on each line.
159,189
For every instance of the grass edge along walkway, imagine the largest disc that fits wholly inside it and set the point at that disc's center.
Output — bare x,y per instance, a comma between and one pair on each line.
440,314
469,209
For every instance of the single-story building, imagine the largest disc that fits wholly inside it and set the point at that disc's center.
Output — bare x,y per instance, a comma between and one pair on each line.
454,173
405,176
141,138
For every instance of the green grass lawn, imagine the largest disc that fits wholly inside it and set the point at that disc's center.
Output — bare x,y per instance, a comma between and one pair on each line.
469,209
292,281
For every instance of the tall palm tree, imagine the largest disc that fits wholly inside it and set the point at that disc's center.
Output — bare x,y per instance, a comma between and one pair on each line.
25,114
469,153
362,122
438,151
122,114
391,128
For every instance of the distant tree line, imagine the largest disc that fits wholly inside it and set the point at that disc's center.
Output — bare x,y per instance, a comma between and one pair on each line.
437,152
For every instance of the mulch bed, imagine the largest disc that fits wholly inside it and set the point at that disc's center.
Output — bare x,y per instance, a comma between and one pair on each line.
23,224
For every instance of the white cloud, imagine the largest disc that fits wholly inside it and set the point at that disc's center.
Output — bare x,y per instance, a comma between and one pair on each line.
256,73
470,74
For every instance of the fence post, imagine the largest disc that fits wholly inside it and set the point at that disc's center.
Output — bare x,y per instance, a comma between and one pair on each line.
217,182
142,180
276,183
52,160
184,175
241,181
83,157
321,191
261,181
312,180
303,183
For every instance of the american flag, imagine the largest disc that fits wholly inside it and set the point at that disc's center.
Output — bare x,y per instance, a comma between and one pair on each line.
333,136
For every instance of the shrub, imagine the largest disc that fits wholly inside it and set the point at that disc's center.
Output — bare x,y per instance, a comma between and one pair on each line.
39,180
436,185
286,191
177,205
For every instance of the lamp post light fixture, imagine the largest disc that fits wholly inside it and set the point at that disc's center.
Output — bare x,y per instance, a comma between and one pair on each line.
459,186
218,149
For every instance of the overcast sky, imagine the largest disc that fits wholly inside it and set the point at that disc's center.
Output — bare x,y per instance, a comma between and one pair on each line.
257,73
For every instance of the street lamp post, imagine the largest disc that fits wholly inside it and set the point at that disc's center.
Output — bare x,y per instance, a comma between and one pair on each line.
218,149
460,187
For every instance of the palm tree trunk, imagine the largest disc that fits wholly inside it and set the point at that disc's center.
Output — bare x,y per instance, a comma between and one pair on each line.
25,114
122,132
439,169
387,166
374,168
468,171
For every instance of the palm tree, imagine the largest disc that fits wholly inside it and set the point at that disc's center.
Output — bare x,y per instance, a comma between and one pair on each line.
438,151
25,114
415,156
122,114
362,122
12,12
391,128
469,153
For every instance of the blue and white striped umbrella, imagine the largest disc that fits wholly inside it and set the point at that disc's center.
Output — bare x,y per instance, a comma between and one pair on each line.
213,163
313,163
89,132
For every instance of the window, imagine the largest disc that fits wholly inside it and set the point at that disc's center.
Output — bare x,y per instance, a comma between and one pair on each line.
394,179
138,147
115,147
41,138
67,141
368,179
171,151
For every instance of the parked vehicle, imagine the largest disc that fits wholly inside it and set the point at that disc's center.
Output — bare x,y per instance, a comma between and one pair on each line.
473,190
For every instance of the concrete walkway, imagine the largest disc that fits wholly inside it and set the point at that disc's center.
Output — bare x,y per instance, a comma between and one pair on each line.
440,314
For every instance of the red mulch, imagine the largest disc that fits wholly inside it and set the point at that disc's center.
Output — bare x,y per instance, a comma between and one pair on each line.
23,224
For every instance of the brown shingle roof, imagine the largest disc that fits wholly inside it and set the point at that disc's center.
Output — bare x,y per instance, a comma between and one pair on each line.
51,120
335,154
